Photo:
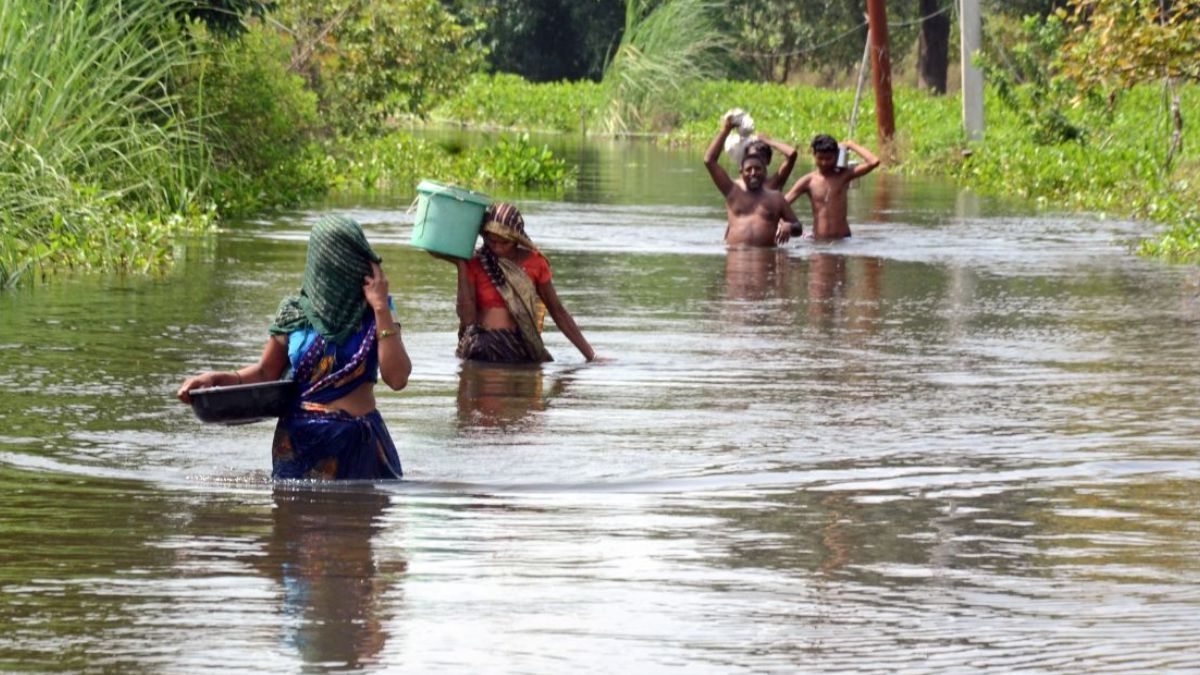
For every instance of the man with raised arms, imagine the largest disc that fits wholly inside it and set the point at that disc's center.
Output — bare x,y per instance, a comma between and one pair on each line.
826,187
757,215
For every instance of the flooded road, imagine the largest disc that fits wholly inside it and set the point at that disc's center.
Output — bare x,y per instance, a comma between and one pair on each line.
964,440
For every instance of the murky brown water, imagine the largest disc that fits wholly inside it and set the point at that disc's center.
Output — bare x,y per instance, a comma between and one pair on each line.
965,440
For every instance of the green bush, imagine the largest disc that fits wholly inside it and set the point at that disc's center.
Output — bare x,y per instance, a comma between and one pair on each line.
259,120
518,162
374,60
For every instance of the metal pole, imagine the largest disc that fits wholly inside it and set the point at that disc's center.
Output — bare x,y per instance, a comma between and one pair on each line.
971,28
862,80
881,71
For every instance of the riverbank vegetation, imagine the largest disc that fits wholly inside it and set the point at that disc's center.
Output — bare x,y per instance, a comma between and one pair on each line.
98,168
127,126
1066,127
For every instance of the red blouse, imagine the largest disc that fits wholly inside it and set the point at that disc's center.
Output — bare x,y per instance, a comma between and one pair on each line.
486,295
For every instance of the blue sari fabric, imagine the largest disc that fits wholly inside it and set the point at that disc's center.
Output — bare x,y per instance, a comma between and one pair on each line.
314,442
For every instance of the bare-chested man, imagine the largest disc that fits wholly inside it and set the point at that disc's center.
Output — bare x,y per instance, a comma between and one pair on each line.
826,187
758,215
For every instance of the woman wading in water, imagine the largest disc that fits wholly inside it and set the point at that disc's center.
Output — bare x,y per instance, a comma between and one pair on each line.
338,336
504,292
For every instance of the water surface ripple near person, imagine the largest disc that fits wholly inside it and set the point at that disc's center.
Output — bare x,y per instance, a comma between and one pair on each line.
964,441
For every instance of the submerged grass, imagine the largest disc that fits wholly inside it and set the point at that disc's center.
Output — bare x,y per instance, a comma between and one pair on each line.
97,169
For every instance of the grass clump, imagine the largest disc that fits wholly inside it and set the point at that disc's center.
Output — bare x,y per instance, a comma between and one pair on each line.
98,168
665,47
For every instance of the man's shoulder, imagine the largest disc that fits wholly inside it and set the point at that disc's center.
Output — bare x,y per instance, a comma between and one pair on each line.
806,179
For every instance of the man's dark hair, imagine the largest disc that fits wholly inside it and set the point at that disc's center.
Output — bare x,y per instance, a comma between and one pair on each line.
824,143
758,149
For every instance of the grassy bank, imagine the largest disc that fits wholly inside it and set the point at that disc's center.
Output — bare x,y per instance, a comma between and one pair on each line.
124,131
97,169
400,159
1114,166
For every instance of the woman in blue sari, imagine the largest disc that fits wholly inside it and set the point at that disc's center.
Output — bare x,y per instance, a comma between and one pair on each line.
338,337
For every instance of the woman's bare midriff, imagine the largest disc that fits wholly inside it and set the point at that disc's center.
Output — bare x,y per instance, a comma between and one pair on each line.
357,403
496,318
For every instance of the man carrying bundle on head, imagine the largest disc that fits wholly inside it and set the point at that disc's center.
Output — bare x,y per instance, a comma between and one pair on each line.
758,215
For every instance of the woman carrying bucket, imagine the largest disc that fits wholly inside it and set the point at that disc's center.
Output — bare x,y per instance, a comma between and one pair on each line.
504,292
338,336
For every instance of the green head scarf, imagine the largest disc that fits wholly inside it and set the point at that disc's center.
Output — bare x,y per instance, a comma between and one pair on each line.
331,297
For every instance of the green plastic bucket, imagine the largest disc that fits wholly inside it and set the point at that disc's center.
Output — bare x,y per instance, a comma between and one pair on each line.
448,219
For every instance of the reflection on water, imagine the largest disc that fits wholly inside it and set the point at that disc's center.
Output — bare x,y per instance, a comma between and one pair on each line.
838,285
500,395
320,553
962,440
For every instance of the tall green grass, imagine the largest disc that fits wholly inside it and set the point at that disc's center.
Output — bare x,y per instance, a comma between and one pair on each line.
97,166
665,47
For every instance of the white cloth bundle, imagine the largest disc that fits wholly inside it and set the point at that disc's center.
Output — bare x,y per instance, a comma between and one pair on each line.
736,142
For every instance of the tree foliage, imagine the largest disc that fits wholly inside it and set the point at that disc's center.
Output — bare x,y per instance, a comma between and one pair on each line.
226,17
1023,8
1018,61
548,40
777,37
1115,44
370,60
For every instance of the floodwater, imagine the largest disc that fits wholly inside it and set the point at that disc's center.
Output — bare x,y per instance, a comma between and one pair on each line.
964,440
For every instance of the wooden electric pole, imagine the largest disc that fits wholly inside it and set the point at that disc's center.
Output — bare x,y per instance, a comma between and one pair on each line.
881,72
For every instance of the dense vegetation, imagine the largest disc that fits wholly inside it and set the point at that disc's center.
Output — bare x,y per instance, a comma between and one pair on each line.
127,126
98,167
1078,118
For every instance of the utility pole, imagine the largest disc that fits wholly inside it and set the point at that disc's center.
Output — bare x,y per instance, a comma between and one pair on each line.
971,29
881,72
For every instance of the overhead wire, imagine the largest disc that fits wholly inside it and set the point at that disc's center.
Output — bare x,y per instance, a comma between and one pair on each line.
855,29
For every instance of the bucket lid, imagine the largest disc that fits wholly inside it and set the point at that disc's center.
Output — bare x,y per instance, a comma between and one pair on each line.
430,187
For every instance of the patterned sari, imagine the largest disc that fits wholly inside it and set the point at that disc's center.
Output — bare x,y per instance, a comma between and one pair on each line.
519,292
315,442
523,345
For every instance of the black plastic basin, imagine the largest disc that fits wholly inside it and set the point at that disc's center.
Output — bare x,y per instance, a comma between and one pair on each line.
244,403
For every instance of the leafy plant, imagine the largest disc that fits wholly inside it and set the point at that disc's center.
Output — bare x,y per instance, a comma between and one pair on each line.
520,163
1019,63
372,60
